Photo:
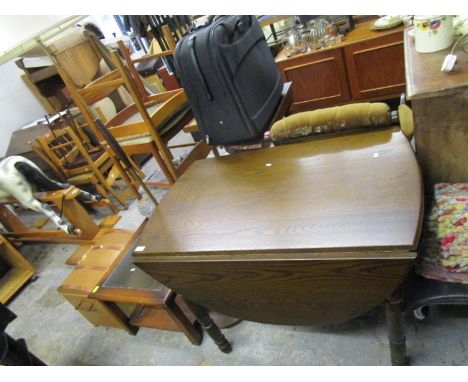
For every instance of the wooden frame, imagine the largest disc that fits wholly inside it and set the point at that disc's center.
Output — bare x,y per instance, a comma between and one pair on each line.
155,307
114,79
131,62
64,200
200,150
21,271
119,76
64,146
158,308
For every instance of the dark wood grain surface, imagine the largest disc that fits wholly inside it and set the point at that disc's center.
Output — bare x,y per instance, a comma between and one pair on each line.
305,234
358,191
293,292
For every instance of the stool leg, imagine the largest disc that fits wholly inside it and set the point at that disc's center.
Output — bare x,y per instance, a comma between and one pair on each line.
211,328
396,331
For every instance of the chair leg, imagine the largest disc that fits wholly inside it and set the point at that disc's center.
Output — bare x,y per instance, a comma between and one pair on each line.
167,157
115,195
128,181
162,164
109,188
102,191
137,169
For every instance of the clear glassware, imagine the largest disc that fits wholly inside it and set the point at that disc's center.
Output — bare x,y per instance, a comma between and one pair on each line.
307,39
288,49
314,37
301,41
321,26
290,43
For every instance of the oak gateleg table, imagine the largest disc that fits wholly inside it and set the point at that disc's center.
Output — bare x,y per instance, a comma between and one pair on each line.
309,233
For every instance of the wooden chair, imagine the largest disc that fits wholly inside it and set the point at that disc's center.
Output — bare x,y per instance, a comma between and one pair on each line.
132,63
200,149
146,95
78,166
70,118
146,125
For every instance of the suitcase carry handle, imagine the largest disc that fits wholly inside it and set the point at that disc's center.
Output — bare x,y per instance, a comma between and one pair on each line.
238,26
199,74
208,22
239,23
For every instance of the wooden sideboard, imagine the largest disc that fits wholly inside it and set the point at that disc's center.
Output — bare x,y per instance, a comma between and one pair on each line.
366,65
440,109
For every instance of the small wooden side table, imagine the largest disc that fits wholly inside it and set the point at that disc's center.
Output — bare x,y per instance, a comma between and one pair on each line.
158,307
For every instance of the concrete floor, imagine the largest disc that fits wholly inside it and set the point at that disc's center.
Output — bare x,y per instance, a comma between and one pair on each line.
59,335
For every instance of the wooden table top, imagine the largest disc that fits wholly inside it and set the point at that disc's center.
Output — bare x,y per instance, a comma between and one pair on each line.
423,76
348,193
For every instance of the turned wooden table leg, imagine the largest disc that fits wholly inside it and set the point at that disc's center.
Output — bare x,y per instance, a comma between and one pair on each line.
209,325
396,332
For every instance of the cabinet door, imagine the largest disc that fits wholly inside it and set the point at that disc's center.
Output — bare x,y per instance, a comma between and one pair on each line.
318,80
376,67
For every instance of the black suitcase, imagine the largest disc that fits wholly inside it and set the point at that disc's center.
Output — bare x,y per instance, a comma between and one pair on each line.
230,77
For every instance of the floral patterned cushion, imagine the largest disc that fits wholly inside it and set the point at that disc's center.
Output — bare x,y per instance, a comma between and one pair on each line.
444,245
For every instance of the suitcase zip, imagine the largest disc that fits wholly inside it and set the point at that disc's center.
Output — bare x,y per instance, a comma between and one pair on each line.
234,94
199,73
198,116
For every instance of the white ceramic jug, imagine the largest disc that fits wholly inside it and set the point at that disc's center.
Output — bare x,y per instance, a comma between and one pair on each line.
433,33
